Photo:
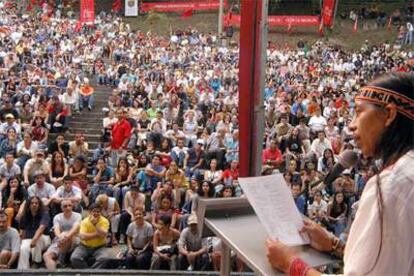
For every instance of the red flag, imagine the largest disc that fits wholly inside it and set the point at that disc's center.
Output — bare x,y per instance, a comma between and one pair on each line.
356,25
117,5
187,13
389,23
328,12
87,11
227,19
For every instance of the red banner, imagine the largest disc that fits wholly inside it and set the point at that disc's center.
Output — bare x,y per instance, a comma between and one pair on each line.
87,11
278,21
182,6
328,12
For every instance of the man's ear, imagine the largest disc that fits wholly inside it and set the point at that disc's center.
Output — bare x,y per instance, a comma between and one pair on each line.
391,110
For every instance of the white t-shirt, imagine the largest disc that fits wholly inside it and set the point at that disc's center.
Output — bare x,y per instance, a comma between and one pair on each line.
318,208
397,252
65,224
317,123
45,192
319,147
139,234
62,193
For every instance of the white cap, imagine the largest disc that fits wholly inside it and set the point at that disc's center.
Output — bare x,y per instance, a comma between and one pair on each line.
200,141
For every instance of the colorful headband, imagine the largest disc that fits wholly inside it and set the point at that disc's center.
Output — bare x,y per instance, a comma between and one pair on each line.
382,96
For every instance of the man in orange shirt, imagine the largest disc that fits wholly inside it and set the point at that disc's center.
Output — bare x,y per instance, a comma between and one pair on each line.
86,95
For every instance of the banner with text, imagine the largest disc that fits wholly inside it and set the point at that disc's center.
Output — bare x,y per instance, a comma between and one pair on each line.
87,11
182,6
131,7
278,21
328,12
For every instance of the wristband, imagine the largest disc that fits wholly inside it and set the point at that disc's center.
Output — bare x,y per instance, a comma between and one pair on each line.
335,243
298,268
338,247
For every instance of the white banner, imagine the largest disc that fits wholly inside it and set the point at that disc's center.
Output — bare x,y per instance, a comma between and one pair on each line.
131,7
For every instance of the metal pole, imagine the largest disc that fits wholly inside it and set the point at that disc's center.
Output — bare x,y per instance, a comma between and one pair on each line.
253,43
225,262
220,19
260,75
334,15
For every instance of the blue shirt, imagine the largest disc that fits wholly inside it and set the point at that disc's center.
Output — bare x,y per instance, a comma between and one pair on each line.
152,181
300,204
268,92
215,84
6,148
106,174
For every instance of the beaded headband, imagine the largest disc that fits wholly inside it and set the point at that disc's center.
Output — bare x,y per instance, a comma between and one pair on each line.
382,96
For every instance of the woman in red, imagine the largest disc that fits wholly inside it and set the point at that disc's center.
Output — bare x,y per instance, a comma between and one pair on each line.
57,115
39,131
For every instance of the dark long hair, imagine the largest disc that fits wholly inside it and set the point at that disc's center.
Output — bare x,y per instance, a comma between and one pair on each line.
27,214
397,139
54,163
20,192
325,160
339,207
200,191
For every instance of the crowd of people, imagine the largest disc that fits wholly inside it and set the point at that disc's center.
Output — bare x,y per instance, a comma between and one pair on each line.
170,137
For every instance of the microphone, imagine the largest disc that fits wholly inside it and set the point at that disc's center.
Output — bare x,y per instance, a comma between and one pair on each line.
345,161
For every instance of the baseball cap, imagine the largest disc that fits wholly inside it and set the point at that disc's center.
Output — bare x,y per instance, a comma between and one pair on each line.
200,141
192,219
9,116
40,152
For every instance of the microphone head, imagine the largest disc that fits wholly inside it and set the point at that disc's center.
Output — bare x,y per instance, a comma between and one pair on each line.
348,159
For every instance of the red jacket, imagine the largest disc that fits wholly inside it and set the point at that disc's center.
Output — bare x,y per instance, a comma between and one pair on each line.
121,131
268,154
234,174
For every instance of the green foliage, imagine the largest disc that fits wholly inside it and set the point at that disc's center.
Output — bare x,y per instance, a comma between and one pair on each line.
156,18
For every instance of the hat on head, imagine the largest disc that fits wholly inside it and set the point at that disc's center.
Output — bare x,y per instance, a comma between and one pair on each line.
40,152
200,141
9,116
192,219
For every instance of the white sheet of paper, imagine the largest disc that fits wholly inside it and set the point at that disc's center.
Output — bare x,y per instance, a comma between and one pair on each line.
273,203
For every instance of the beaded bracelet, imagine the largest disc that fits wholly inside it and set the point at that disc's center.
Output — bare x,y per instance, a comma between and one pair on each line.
298,268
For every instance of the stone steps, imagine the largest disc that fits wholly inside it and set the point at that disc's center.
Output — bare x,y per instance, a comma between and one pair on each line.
85,130
86,118
95,125
90,122
86,112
